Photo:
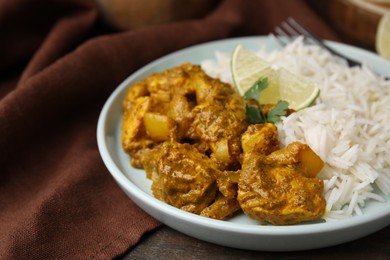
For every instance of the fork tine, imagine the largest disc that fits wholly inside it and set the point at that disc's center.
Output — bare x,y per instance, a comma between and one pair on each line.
305,32
310,35
314,38
284,33
278,40
290,29
282,36
280,31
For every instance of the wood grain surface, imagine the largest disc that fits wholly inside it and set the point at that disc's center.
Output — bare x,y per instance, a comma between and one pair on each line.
166,243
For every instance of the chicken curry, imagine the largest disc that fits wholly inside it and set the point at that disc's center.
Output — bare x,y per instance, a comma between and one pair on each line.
189,132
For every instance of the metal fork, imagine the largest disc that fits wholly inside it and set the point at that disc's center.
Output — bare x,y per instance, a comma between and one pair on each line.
290,29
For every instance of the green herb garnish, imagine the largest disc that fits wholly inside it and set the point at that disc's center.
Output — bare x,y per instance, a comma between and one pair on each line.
277,112
254,91
254,114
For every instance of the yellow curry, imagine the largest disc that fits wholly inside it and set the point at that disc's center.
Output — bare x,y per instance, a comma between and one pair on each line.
189,132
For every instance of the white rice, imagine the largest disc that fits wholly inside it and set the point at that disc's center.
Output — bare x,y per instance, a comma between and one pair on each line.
348,126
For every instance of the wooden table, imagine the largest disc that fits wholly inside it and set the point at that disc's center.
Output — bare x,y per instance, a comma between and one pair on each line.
166,243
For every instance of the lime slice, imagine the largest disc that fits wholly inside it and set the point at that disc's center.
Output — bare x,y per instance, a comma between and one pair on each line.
382,40
296,90
247,67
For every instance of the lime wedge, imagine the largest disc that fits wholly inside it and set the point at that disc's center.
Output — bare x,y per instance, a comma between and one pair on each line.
246,68
382,39
296,90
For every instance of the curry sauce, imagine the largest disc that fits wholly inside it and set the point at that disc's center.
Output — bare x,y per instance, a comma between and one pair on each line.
189,132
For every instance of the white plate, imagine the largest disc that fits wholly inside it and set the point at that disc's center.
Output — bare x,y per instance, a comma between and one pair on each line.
238,232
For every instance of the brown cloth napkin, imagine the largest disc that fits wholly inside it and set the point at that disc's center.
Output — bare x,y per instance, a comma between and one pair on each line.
58,65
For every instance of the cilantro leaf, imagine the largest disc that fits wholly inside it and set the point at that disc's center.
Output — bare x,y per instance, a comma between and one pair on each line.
277,112
253,115
254,91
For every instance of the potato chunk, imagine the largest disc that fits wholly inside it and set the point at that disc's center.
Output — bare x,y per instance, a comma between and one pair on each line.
310,162
221,152
307,162
158,127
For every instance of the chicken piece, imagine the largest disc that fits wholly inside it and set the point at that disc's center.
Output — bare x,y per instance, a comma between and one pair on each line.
189,180
222,208
220,127
161,88
133,93
134,137
225,204
227,183
146,120
184,177
209,90
147,159
180,111
261,138
280,187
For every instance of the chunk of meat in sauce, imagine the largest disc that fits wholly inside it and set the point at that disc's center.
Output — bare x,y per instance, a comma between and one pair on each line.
279,187
184,177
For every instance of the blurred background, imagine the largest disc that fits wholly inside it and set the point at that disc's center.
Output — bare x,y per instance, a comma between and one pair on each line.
133,14
355,20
